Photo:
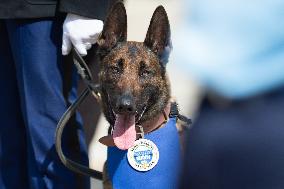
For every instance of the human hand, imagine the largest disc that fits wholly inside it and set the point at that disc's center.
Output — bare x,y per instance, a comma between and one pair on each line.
81,32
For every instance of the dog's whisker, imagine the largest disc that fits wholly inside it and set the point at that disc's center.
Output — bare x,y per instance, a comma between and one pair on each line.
140,115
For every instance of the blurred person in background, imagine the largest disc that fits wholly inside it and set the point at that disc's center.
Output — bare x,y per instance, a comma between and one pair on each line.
235,51
33,36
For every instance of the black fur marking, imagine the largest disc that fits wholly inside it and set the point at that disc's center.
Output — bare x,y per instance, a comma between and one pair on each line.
132,51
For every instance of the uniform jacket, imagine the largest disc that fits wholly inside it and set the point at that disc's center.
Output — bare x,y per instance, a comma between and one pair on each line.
48,8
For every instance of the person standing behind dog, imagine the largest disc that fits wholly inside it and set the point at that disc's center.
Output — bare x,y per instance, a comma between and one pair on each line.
32,42
235,50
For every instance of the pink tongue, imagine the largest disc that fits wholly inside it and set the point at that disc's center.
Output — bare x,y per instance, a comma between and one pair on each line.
124,133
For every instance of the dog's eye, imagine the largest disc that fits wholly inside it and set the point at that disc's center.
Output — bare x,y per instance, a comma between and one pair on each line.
144,71
115,70
118,67
120,63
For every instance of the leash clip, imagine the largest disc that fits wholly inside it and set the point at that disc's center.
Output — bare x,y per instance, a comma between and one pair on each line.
140,132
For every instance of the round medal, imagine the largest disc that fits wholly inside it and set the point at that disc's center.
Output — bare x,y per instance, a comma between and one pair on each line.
143,155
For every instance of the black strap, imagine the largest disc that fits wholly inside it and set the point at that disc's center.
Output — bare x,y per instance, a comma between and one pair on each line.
82,68
74,166
174,112
86,75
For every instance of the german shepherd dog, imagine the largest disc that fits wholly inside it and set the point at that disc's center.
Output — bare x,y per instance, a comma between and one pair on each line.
135,89
134,84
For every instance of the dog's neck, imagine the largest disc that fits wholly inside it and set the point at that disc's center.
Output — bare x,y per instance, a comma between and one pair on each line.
158,121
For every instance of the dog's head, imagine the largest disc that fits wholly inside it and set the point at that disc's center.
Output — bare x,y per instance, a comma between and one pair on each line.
133,78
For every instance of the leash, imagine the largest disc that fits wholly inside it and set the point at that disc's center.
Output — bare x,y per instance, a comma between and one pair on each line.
93,89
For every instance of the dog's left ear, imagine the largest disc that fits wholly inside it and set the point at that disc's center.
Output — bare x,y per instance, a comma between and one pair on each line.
158,37
115,28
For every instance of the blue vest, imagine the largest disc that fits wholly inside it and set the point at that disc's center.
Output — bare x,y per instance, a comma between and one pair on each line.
164,175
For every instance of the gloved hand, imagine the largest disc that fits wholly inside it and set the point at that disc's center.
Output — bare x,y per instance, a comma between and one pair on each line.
81,32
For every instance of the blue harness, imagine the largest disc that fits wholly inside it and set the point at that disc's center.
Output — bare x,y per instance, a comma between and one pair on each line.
164,175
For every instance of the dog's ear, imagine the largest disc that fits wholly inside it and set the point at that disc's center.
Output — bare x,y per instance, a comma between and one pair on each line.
158,37
115,28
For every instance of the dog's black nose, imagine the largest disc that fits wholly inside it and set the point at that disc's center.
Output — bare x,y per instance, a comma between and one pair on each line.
125,104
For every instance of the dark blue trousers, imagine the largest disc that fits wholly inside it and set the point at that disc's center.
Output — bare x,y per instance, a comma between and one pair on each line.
31,103
238,145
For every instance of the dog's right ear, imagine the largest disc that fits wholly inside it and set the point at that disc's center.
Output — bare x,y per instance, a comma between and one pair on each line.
158,38
115,28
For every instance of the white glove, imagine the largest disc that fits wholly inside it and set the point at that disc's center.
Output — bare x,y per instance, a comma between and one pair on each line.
80,31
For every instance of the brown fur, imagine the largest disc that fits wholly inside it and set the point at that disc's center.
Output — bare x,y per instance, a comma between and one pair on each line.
136,70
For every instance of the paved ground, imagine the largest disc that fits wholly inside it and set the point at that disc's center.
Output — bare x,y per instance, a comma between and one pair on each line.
139,15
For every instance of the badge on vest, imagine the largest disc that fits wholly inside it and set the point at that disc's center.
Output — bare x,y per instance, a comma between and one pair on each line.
143,155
